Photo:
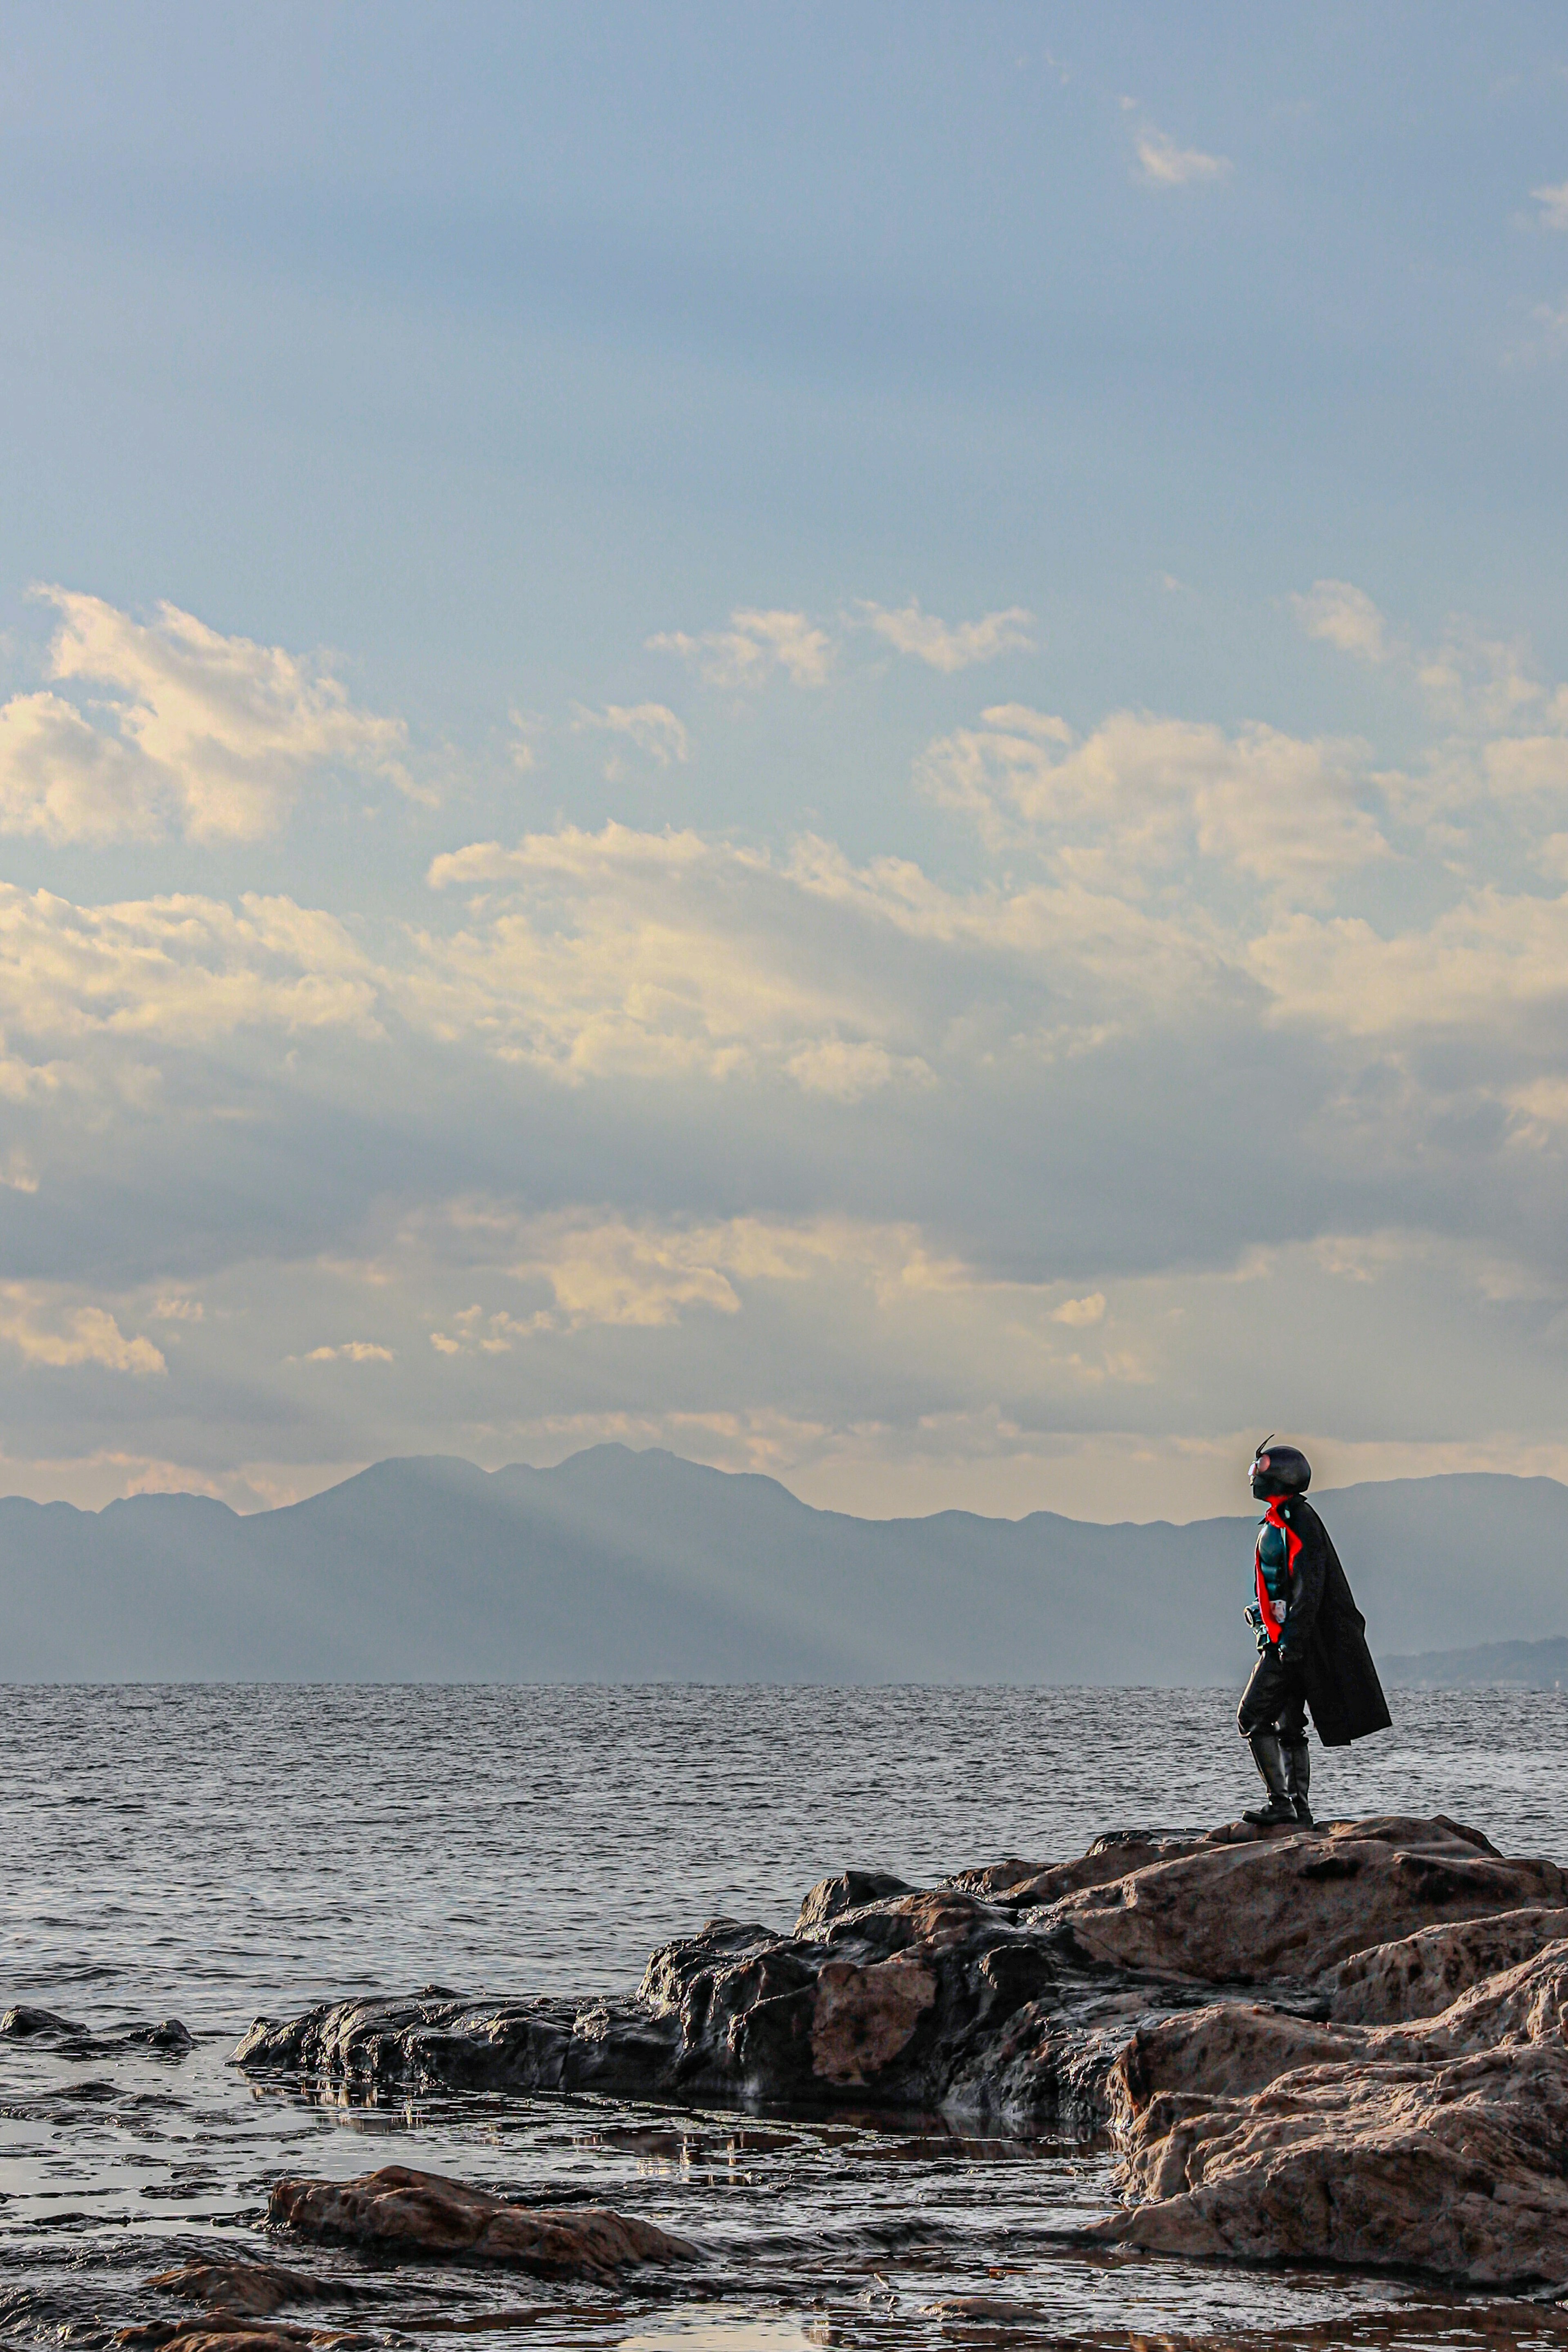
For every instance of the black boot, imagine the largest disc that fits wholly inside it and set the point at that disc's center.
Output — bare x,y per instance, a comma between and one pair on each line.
1298,1775
1269,1758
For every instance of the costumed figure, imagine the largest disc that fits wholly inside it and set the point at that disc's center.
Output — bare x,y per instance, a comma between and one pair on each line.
1311,1642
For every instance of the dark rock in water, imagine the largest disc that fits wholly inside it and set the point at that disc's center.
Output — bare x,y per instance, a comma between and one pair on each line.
469,2046
395,2210
244,2290
916,1999
1349,2045
23,2024
51,2032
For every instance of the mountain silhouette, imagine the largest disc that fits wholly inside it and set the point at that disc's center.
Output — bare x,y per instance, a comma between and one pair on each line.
619,1566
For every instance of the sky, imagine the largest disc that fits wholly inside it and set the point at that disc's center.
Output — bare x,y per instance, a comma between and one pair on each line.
833,736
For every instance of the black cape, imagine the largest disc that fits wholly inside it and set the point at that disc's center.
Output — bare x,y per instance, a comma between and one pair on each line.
1328,1633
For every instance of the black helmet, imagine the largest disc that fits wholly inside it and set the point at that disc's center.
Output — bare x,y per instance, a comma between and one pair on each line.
1280,1470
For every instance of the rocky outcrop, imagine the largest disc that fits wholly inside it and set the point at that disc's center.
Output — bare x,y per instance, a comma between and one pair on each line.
1005,1992
1346,2046
1441,2145
397,2211
1287,1906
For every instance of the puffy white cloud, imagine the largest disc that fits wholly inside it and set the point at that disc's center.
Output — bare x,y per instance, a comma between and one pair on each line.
193,732
651,727
181,970
1163,165
1479,685
1478,681
753,647
627,952
1517,765
69,780
1344,615
1079,1312
1475,968
47,1330
1142,794
1553,203
348,1352
602,1268
926,638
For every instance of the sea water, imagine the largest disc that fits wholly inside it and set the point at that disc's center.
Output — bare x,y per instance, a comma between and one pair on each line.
216,1852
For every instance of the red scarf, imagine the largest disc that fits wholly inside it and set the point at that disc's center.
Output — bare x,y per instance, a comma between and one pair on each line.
1271,1625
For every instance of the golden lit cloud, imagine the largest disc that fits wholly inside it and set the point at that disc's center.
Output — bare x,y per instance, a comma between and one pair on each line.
189,731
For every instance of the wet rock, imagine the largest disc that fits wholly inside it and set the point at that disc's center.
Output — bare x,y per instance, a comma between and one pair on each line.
23,2024
894,1998
48,2031
245,2290
399,2211
461,2044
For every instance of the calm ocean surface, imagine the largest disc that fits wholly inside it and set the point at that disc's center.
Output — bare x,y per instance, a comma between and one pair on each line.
213,1853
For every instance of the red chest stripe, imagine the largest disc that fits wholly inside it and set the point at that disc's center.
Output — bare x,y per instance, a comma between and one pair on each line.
1292,1547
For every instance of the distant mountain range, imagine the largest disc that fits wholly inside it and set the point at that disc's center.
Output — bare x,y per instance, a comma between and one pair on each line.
1537,1666
624,1567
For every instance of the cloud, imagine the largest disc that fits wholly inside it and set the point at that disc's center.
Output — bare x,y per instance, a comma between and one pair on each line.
653,731
925,638
1482,968
605,1269
617,1273
1079,1313
48,1333
182,971
1142,794
624,952
195,733
1517,765
348,1352
752,648
1476,682
1163,165
934,1096
1344,616
1553,203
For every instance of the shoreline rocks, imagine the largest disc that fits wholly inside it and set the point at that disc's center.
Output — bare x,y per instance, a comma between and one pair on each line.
1345,2045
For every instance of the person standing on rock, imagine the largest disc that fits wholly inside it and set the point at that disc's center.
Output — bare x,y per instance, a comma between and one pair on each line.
1311,1642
